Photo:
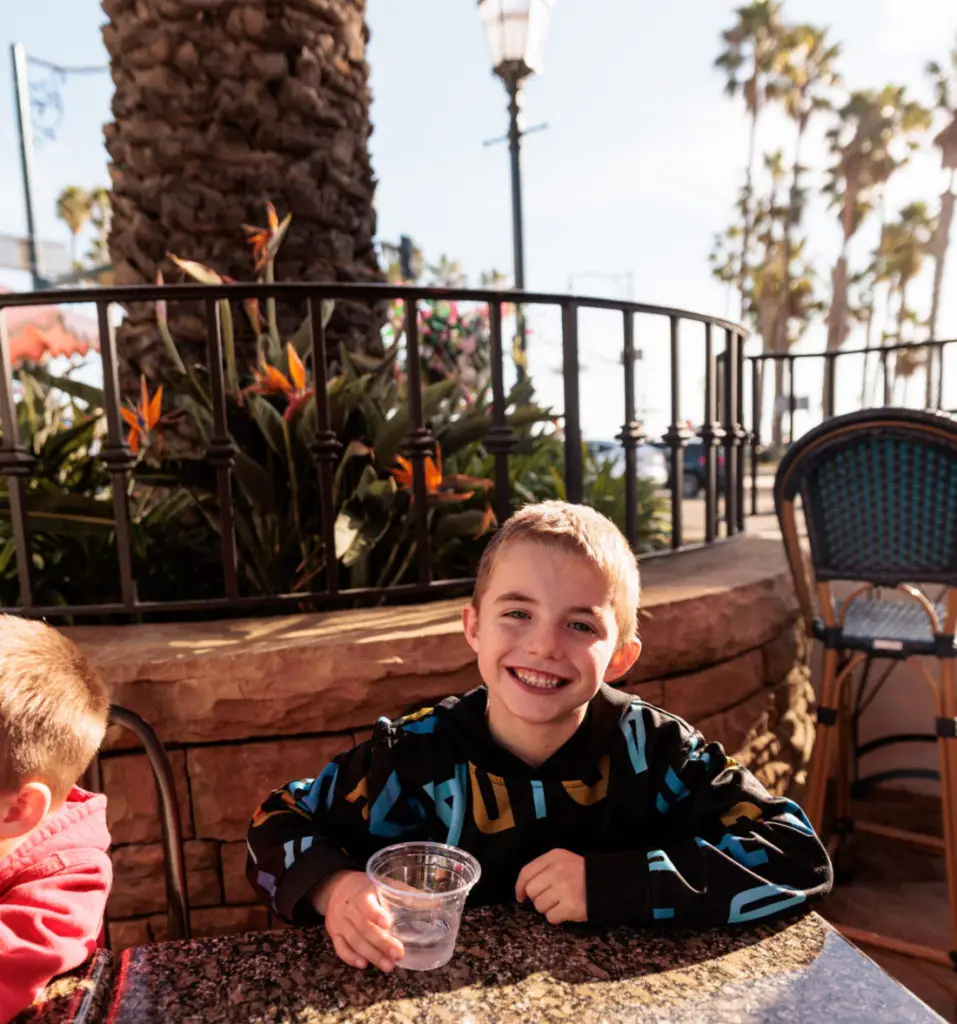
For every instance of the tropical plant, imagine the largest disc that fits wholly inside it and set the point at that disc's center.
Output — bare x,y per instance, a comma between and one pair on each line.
945,97
874,134
272,421
904,243
751,47
70,516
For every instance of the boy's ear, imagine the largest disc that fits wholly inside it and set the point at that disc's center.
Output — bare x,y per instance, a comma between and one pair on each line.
470,625
29,806
622,660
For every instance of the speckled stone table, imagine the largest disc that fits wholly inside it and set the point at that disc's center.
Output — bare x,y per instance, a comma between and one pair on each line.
80,997
511,966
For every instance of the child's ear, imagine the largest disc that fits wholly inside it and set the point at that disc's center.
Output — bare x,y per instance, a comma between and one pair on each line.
26,810
622,660
470,625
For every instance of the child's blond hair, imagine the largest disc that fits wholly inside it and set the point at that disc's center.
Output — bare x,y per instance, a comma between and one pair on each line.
53,708
580,529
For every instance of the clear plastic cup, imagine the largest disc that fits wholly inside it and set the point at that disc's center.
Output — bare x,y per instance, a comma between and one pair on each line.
424,886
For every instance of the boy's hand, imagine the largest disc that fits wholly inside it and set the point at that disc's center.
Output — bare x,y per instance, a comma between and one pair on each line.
356,921
555,883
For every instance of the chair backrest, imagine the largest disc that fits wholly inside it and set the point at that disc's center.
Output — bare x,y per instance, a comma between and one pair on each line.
177,897
879,494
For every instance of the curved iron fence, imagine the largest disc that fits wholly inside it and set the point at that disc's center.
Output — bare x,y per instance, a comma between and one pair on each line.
723,437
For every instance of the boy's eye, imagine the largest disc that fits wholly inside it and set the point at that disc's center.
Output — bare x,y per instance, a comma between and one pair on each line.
582,627
517,613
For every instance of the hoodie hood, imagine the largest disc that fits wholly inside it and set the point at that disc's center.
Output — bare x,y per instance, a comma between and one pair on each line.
80,824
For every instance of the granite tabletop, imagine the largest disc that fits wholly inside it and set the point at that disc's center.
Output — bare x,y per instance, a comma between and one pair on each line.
512,966
80,997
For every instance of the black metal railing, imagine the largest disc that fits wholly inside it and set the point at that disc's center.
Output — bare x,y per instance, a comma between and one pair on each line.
872,377
719,346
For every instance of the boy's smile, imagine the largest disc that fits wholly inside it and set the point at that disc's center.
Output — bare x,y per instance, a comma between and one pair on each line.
546,636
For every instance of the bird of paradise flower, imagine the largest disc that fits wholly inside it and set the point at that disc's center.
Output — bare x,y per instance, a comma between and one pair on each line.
143,418
269,380
445,487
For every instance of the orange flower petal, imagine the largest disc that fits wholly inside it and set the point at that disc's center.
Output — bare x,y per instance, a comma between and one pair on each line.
273,380
433,476
273,217
297,371
144,396
153,413
130,417
134,440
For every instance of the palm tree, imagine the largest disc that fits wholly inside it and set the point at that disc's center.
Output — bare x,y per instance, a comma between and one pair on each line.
904,244
804,65
750,48
872,139
945,87
217,108
73,208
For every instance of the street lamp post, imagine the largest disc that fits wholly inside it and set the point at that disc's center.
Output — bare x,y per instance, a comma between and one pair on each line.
48,103
515,30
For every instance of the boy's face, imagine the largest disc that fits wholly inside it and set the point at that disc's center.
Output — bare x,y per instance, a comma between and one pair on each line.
546,637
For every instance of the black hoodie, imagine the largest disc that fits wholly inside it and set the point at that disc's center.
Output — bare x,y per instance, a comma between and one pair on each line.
670,827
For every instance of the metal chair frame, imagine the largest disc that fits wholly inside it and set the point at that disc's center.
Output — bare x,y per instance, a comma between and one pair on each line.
843,654
174,867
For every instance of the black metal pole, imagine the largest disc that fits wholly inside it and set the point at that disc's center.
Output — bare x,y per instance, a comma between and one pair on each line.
513,84
21,91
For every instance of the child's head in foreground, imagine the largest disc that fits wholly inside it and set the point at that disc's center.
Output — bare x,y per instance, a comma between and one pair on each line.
553,615
53,715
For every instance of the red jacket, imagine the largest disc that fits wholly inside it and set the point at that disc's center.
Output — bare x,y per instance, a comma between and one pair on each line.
53,890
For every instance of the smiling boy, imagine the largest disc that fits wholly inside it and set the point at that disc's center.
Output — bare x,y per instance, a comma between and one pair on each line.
581,799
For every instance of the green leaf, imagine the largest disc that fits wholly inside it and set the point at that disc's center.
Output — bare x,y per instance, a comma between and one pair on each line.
62,512
460,524
354,449
348,533
256,483
395,430
92,396
270,423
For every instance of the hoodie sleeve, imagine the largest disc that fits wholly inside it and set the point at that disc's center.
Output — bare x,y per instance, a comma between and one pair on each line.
310,828
49,924
728,853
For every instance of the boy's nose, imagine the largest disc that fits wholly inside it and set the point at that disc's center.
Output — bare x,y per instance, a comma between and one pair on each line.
545,642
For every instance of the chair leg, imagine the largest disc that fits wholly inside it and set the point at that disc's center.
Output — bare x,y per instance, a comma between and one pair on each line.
820,756
948,778
842,783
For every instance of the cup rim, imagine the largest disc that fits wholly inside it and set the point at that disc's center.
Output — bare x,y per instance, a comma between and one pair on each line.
457,851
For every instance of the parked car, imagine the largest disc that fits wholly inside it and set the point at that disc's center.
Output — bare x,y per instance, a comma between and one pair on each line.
650,461
694,469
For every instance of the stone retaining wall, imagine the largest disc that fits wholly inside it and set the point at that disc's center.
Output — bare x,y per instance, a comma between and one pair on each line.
246,705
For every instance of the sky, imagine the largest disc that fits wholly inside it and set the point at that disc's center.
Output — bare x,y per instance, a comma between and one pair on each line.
635,173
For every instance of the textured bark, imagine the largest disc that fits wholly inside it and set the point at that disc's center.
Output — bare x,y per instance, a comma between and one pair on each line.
220,105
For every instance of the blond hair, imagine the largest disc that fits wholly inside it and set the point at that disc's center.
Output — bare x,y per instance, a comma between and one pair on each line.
53,707
584,531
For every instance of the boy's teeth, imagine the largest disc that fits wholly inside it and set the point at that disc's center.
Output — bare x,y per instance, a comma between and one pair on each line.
539,679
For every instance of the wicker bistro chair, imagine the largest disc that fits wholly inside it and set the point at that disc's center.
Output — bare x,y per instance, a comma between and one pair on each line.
879,493
177,897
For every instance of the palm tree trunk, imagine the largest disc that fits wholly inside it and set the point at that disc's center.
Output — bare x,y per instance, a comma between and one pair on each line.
939,249
781,327
868,334
835,319
217,108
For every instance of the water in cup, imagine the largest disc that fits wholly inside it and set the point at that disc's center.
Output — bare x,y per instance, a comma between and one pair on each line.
429,941
424,886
